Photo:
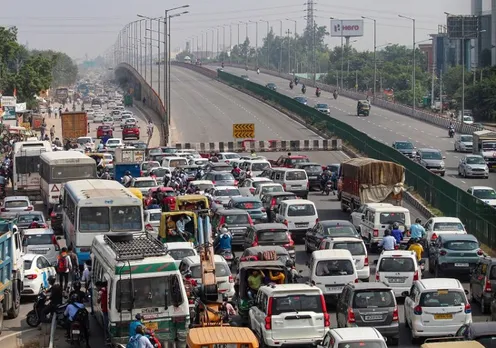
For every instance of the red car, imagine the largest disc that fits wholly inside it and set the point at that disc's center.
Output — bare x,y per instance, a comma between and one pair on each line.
104,130
289,161
130,131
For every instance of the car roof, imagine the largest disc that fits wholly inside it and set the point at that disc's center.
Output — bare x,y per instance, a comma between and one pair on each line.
457,236
369,286
32,212
246,199
439,283
351,333
195,260
445,219
298,201
179,245
393,208
144,178
261,248
428,149
344,239
331,254
259,179
285,288
269,226
288,194
16,198
226,212
34,231
481,188
230,187
29,256
335,223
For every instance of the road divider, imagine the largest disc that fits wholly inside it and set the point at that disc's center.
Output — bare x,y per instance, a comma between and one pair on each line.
265,145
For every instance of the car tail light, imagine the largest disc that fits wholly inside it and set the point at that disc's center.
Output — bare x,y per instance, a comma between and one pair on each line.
191,301
252,190
376,233
213,182
141,173
285,222
377,276
255,242
316,221
327,319
218,202
351,315
236,182
291,242
487,286
417,310
395,314
29,208
52,214
4,209
308,185
32,276
149,227
222,220
468,308
366,262
268,318
231,279
356,280
273,202
416,275
434,236
442,252
480,252
284,187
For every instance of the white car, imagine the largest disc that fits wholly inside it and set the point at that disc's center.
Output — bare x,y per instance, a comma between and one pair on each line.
90,113
202,185
484,193
473,166
228,156
398,269
357,215
223,194
468,119
86,142
114,143
111,105
152,220
252,183
108,120
127,120
268,187
116,115
443,224
179,250
98,117
127,112
197,161
363,336
436,307
144,184
37,269
14,204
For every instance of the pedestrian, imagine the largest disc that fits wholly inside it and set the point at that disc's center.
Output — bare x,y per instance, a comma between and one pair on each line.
75,264
52,133
43,129
50,112
103,301
63,268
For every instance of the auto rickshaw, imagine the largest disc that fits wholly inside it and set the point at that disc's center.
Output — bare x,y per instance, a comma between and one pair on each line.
363,107
192,202
167,230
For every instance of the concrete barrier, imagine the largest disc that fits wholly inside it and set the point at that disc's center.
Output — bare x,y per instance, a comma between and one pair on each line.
265,145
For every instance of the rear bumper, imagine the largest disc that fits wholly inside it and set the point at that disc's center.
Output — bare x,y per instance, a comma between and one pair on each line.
294,341
299,193
392,330
451,268
439,330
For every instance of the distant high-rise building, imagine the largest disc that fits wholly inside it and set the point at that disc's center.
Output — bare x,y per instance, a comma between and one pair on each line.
188,46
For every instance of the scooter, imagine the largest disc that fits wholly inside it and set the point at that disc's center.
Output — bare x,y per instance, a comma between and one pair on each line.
33,318
451,132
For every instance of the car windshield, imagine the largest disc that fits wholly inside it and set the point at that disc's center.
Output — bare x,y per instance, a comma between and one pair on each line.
485,194
296,174
404,146
340,231
448,226
16,204
145,292
432,155
442,298
38,239
237,219
465,245
296,303
258,167
148,165
468,119
373,298
322,106
313,168
272,188
475,160
273,236
179,254
489,146
111,142
333,168
301,210
248,205
355,248
396,264
28,218
221,270
227,193
389,218
144,183
154,217
329,268
224,177
203,187
362,344
466,139
231,156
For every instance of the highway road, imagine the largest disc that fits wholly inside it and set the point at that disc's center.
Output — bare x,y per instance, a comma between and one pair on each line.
382,125
204,110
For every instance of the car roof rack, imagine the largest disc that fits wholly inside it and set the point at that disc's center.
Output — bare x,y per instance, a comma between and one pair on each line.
135,246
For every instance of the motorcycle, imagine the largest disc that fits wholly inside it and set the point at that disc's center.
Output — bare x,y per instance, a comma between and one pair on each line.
317,93
335,95
303,90
451,132
33,318
75,335
328,187
227,255
290,86
153,340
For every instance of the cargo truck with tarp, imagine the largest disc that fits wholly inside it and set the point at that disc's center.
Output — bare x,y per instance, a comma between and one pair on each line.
367,180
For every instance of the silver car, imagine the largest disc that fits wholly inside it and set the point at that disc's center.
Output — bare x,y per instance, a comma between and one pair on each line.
324,108
463,142
222,194
432,160
473,166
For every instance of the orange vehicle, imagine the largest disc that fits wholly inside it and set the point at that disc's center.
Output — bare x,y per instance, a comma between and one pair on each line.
221,336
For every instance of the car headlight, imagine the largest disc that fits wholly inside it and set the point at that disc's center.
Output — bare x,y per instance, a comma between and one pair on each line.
486,169
442,164
469,167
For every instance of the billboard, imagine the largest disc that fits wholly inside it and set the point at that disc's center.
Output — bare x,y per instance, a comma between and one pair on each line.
8,111
346,27
463,27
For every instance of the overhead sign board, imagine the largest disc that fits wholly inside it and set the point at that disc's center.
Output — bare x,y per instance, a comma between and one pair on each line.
244,130
463,27
346,27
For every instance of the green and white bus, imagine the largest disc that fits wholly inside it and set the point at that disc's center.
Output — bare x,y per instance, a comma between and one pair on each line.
141,279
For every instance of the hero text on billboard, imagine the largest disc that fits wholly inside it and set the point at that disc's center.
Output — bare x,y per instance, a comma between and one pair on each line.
346,27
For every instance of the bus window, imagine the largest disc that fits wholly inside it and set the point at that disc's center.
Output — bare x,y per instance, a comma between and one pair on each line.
127,218
94,219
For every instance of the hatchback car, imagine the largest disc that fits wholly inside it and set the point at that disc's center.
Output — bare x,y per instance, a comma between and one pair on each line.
328,229
483,283
431,159
473,166
130,131
271,201
250,204
179,250
323,108
464,142
25,218
37,270
301,100
237,222
251,184
223,194
269,234
398,269
220,178
405,147
14,204
314,172
353,337
271,86
369,305
104,130
41,241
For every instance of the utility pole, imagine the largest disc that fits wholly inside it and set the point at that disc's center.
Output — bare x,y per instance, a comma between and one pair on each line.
280,54
289,52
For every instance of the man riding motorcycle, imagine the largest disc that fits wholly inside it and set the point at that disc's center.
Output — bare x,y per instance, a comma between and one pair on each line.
451,130
258,70
317,92
80,295
335,94
223,240
126,179
55,294
75,311
396,233
325,177
303,89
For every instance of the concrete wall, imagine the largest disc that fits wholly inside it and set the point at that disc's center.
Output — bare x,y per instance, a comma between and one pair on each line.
126,74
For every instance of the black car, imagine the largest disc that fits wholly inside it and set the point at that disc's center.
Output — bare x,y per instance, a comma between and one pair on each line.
217,167
328,229
271,86
314,171
271,201
269,234
25,218
237,222
405,147
56,219
482,332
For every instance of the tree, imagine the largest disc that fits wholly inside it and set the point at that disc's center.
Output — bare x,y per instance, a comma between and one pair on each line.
64,70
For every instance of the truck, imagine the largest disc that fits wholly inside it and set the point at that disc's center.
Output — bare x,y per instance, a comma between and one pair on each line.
367,180
128,100
11,270
74,125
128,160
484,144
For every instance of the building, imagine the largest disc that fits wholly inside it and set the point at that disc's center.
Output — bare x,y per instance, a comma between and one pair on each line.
485,45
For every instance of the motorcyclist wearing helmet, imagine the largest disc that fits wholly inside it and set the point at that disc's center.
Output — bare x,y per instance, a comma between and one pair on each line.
396,232
417,231
55,294
291,84
325,177
126,180
417,248
223,240
77,291
303,88
70,311
388,243
106,174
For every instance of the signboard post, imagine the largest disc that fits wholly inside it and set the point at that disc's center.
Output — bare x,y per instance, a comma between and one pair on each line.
243,130
8,107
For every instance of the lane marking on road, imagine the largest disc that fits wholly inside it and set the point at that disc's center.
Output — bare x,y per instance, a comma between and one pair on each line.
2,338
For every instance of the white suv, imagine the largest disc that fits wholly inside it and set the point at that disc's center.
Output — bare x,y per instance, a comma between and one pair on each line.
398,269
353,337
289,314
436,308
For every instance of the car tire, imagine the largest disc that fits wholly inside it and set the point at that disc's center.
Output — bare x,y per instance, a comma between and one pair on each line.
442,174
456,150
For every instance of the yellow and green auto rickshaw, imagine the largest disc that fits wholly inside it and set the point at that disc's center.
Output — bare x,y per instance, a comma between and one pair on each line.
363,107
168,232
191,202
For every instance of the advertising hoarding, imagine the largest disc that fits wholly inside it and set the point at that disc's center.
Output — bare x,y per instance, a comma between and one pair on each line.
8,111
346,27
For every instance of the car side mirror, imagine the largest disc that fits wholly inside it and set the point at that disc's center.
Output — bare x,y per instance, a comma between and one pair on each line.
405,294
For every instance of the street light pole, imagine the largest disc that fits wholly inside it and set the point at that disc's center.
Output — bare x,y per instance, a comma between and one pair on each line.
280,49
295,61
414,65
375,55
256,42
268,43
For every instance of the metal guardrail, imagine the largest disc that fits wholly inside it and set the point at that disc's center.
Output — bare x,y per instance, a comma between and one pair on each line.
53,327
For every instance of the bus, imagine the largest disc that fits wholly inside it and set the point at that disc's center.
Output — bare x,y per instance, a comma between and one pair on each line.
141,278
94,207
26,167
59,167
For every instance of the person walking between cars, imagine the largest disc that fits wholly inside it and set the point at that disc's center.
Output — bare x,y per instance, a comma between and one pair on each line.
103,301
417,231
388,243
52,133
74,263
63,268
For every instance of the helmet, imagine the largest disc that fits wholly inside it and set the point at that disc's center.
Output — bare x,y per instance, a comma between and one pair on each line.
387,232
127,172
51,280
235,165
74,298
418,221
77,285
396,226
289,263
138,317
224,230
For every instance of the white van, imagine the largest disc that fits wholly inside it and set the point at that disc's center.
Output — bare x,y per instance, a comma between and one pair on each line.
174,162
298,214
398,269
293,180
331,270
376,219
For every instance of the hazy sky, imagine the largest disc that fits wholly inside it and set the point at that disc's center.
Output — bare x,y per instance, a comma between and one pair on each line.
90,26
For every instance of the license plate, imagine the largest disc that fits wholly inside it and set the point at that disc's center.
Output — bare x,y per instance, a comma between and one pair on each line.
395,280
334,288
312,177
152,326
75,332
461,264
295,186
373,317
301,225
443,316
